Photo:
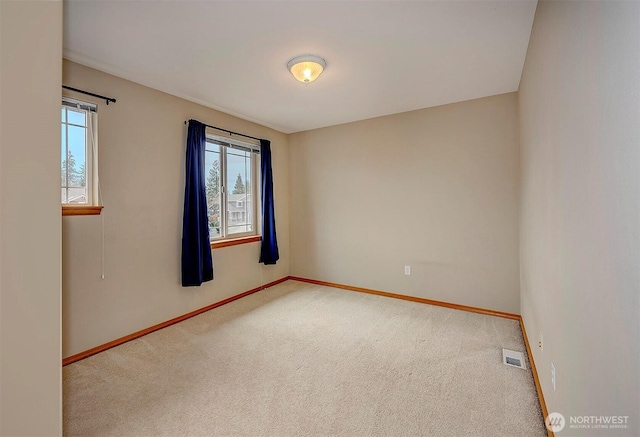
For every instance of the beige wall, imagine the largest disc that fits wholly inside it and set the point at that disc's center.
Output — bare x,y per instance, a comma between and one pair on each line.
580,217
141,163
436,189
30,76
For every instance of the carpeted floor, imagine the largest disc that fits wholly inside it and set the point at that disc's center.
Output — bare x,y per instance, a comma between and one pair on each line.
304,360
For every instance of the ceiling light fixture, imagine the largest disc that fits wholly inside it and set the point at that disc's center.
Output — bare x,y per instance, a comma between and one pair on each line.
306,68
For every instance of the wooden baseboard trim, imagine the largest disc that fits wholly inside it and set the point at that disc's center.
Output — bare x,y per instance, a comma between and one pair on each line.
119,341
411,298
543,405
534,371
126,338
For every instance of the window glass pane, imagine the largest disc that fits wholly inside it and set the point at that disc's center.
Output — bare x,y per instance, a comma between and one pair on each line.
213,189
76,117
212,147
63,152
63,138
76,158
76,195
239,206
73,156
229,179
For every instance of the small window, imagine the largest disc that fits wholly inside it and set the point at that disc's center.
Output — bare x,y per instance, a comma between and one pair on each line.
78,160
230,187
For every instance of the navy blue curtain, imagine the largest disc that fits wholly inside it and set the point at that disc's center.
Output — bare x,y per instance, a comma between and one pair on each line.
269,250
197,265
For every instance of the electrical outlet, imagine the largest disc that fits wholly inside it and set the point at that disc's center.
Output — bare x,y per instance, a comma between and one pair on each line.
553,376
540,343
407,270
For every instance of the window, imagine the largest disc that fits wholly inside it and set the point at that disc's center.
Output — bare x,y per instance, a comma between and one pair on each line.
79,174
230,187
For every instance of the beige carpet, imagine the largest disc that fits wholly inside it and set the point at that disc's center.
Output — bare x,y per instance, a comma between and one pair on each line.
304,360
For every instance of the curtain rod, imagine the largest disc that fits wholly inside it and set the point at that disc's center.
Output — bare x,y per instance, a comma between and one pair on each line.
107,99
227,131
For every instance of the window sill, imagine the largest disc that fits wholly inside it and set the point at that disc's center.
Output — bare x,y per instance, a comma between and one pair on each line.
81,210
235,241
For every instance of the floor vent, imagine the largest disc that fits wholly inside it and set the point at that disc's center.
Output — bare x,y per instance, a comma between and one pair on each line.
513,358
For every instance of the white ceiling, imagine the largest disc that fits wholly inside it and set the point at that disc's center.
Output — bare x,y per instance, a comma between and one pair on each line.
383,57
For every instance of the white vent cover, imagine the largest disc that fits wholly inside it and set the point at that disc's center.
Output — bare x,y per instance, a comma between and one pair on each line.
513,358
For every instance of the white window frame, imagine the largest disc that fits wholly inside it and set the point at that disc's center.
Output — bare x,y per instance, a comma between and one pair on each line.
225,144
91,149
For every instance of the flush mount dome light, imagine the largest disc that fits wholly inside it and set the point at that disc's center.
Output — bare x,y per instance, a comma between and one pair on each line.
306,68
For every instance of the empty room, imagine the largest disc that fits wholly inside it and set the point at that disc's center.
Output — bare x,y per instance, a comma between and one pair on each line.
320,218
